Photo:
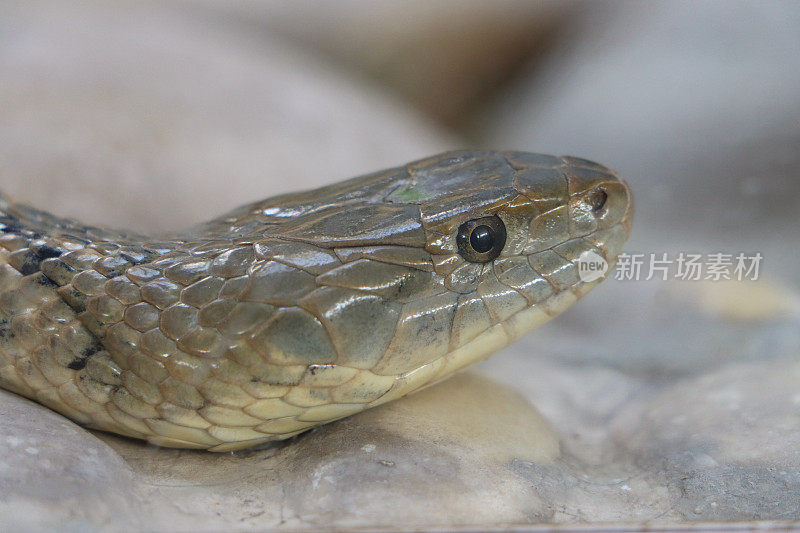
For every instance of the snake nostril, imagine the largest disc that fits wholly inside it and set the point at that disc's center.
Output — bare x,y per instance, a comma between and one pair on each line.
597,199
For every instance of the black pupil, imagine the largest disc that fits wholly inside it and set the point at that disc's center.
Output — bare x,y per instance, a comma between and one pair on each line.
482,239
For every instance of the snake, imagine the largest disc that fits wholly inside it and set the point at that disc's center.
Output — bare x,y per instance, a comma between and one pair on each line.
304,308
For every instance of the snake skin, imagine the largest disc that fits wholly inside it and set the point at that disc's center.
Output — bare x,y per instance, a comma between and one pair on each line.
297,310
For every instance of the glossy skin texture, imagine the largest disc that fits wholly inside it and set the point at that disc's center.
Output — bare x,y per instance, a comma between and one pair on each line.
299,309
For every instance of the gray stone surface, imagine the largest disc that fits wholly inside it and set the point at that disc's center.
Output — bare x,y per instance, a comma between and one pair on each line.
726,441
655,402
666,426
56,475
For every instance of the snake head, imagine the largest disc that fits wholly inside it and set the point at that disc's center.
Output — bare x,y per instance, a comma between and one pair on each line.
508,233
443,261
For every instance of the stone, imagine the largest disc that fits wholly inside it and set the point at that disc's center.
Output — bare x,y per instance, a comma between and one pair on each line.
56,475
726,441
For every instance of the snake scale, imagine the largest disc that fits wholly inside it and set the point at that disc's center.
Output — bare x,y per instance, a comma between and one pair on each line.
303,308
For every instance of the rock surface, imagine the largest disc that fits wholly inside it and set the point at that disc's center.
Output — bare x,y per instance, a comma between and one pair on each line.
55,474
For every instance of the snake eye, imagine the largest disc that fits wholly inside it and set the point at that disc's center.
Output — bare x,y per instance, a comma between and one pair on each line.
482,239
597,199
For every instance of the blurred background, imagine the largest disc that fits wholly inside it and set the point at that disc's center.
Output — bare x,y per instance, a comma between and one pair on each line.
672,401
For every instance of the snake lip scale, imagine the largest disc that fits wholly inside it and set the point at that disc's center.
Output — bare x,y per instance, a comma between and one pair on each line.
303,308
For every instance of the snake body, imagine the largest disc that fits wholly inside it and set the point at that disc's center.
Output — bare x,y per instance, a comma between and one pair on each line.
303,308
